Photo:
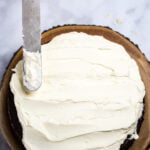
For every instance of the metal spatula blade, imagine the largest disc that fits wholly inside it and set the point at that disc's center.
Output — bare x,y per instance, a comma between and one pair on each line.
32,69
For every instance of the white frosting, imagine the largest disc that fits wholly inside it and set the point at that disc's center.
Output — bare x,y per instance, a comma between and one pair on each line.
91,97
32,73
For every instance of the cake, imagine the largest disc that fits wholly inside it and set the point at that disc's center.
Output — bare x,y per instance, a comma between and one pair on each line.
91,97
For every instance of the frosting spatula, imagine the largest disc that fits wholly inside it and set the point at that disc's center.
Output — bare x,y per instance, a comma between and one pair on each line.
32,69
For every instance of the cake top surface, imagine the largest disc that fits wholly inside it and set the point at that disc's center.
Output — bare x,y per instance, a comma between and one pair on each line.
91,96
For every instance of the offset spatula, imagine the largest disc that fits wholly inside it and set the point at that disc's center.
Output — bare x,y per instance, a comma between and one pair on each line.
32,69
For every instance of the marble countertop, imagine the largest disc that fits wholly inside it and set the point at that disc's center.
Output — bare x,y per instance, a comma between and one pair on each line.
130,18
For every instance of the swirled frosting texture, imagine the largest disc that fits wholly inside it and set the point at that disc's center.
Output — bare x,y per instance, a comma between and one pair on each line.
91,97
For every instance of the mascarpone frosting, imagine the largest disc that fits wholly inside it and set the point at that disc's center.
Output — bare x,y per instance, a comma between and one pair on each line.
91,96
32,73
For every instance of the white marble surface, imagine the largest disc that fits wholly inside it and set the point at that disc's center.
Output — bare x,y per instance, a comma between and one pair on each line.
129,17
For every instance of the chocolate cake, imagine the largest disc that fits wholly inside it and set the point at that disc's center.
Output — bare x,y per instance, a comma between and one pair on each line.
10,125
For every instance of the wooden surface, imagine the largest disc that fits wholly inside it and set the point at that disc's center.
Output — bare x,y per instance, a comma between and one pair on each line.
133,51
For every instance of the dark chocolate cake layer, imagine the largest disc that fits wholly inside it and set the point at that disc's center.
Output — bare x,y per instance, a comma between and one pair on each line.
14,120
